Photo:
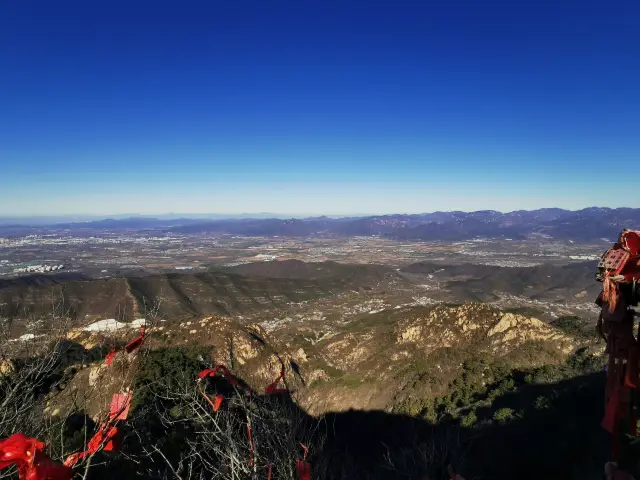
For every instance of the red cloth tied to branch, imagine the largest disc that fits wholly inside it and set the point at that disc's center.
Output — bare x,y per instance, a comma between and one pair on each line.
272,388
18,448
129,347
134,344
303,468
44,468
106,438
110,356
216,402
119,408
33,464
222,369
250,437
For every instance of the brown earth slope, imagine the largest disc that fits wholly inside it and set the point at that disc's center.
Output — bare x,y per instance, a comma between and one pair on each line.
183,295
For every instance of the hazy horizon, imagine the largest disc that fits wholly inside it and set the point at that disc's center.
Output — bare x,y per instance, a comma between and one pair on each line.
244,215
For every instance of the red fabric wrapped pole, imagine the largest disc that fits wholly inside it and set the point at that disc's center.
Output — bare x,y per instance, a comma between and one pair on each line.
630,241
611,412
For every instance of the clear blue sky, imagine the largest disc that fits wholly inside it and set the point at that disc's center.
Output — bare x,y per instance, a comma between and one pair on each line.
318,106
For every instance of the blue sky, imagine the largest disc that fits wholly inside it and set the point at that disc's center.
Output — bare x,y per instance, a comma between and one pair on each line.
308,107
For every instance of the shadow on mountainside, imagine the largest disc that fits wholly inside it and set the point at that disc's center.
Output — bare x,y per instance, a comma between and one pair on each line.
180,295
544,431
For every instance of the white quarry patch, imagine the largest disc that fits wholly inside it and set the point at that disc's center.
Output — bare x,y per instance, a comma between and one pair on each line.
112,325
106,325
138,322
275,324
374,305
422,301
25,338
584,257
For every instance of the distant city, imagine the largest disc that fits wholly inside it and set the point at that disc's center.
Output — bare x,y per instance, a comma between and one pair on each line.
38,269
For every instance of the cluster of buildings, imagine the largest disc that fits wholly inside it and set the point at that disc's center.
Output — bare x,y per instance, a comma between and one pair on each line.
116,239
38,269
266,258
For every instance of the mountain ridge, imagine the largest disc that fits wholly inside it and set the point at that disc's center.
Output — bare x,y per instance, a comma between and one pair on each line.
588,224
178,295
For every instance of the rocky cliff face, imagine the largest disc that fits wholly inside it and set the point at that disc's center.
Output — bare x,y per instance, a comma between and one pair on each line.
479,326
378,359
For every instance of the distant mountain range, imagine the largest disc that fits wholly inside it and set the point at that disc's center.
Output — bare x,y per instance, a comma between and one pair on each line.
589,224
44,220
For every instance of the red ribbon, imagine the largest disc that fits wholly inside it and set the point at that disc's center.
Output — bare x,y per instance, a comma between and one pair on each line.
119,408
134,344
250,444
33,464
222,369
272,388
216,403
129,347
109,358
106,438
303,468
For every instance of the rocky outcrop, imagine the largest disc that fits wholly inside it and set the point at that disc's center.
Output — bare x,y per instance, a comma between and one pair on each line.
360,366
480,326
382,355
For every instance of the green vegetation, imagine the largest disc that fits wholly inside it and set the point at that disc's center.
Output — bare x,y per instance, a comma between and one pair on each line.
575,326
525,311
469,419
503,415
495,407
167,369
350,380
483,380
